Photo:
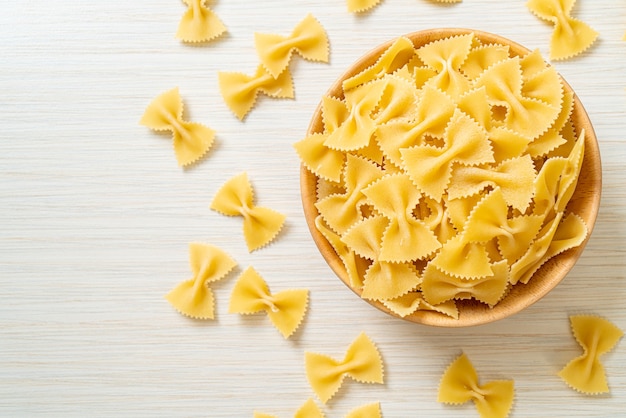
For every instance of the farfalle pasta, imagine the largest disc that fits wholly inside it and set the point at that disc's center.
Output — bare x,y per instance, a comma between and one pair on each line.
405,238
396,56
310,410
272,76
359,6
596,336
341,211
260,224
191,140
194,297
199,23
460,384
413,301
571,36
362,362
308,39
371,410
285,309
319,158
444,173
240,90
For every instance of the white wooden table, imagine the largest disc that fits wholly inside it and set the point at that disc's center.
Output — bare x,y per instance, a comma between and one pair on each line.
96,217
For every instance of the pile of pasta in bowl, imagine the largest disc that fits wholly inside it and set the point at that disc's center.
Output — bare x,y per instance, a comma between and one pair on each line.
450,177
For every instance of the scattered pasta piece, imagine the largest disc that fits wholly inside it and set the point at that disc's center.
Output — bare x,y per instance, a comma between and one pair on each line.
360,6
371,410
260,224
240,90
308,410
263,415
459,384
199,23
194,297
191,140
444,173
285,309
362,363
596,336
571,36
308,39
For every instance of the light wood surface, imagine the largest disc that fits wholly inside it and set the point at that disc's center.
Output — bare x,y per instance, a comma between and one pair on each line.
96,218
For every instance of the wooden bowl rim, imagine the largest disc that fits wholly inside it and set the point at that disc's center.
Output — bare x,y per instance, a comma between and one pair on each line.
585,202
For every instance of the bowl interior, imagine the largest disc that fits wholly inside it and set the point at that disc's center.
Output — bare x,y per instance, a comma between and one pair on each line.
584,202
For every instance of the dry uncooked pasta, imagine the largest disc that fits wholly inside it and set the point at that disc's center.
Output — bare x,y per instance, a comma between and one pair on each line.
444,182
272,76
260,224
371,410
308,39
359,6
286,309
460,384
596,336
362,362
571,36
194,297
191,140
240,90
308,410
407,304
199,23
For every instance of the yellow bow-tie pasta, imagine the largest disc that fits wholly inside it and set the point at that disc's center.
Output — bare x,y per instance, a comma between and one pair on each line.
359,6
191,140
199,23
362,362
308,39
443,172
459,384
371,410
571,36
194,297
240,90
285,309
596,336
260,224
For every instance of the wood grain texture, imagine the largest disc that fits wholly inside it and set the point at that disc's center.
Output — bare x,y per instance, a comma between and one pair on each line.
96,218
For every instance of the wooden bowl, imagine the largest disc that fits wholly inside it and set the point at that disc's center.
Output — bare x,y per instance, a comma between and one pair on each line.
584,202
